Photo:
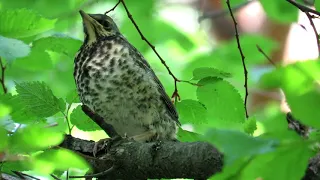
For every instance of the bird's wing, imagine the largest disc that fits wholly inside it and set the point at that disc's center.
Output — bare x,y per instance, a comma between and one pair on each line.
167,101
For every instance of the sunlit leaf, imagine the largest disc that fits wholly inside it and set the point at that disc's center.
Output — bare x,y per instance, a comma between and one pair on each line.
34,138
59,159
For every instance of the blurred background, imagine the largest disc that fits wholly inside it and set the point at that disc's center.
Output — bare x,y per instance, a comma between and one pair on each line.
188,34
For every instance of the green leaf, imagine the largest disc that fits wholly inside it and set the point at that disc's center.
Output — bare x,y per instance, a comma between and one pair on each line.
38,60
281,11
200,73
38,98
250,125
317,5
19,112
60,159
4,139
191,111
10,166
65,45
188,136
288,162
11,49
228,142
4,110
20,23
298,83
34,138
224,104
72,97
82,121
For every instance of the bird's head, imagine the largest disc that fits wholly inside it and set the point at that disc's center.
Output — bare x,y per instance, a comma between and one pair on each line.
97,26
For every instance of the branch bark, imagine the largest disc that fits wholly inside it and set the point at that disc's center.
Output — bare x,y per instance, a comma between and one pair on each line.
134,160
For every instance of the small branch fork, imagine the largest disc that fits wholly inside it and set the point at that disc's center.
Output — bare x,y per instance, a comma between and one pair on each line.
307,11
176,80
242,57
3,68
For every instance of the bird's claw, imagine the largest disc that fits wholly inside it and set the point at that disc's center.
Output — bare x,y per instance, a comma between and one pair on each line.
105,144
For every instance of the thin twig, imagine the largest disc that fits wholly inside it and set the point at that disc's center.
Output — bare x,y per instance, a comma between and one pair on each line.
100,174
24,175
314,30
175,93
303,8
114,7
265,55
222,12
242,57
54,177
307,11
3,68
67,120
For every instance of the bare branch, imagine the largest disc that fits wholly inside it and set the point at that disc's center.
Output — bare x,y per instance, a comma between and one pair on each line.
242,58
265,55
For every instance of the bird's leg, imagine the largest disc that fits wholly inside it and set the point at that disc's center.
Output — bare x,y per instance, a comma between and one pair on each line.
105,143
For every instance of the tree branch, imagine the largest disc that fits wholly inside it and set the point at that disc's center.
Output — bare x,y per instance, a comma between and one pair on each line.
135,160
242,59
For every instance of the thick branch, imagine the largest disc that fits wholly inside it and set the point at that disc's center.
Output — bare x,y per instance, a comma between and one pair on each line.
134,160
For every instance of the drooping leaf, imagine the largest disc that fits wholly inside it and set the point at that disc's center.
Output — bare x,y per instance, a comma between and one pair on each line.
20,23
191,111
11,49
38,98
82,121
224,105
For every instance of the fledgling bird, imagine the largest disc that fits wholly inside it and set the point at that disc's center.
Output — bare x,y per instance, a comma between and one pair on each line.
115,81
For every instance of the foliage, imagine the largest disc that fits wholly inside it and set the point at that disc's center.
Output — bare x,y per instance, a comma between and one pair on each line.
39,41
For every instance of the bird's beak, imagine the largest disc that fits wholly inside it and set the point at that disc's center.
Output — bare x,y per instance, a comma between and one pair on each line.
89,24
